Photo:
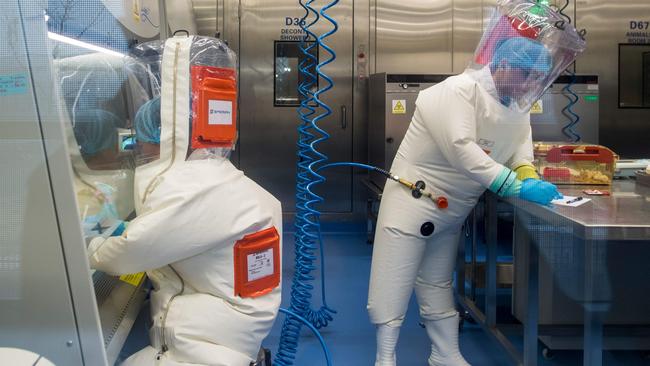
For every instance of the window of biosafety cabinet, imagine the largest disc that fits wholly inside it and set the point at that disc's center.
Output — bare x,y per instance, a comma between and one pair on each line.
287,79
634,76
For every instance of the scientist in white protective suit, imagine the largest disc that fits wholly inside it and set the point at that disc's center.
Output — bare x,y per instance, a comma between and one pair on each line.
208,237
469,133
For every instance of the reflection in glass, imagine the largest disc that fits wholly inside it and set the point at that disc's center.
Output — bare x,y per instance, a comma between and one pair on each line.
88,21
147,132
88,45
145,86
646,79
288,60
96,133
286,76
634,76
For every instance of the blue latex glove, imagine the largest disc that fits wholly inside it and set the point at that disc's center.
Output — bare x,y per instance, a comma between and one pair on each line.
95,228
539,191
120,228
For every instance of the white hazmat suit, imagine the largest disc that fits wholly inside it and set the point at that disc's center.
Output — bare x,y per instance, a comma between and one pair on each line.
415,243
190,214
469,133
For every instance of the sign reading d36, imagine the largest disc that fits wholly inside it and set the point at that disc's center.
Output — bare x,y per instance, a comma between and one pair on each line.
293,21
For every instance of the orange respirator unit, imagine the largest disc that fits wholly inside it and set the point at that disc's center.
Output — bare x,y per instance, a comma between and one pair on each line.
214,107
257,263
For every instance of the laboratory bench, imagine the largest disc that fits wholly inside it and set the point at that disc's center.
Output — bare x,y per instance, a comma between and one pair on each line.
577,252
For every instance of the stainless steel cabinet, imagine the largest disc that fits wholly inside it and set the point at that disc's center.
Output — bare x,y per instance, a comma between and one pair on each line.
268,132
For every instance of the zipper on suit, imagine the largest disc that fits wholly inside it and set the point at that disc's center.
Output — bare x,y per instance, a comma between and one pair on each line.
163,347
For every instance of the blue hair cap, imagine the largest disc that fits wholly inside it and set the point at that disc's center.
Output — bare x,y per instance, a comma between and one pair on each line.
523,53
147,122
95,130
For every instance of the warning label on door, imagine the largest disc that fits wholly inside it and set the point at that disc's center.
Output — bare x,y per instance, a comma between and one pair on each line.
538,108
399,106
260,264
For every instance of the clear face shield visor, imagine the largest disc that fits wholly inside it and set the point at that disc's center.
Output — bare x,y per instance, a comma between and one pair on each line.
212,120
526,46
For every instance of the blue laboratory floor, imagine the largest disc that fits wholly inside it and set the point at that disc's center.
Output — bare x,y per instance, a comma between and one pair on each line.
351,337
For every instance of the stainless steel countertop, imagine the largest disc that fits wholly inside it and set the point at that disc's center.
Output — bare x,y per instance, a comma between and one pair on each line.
625,215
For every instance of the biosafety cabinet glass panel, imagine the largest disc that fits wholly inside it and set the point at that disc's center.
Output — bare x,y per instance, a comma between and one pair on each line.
289,58
88,45
634,76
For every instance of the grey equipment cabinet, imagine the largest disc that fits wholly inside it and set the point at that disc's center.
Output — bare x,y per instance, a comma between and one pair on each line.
391,107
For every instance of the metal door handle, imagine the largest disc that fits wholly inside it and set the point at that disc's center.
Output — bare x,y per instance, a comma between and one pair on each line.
344,117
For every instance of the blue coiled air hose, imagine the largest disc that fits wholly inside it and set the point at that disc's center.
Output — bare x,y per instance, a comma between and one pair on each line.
292,315
307,219
568,92
568,112
357,165
311,227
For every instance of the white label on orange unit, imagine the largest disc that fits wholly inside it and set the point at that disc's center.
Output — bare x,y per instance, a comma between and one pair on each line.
220,112
260,264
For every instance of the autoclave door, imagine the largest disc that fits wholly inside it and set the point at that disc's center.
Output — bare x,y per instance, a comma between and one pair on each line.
269,56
